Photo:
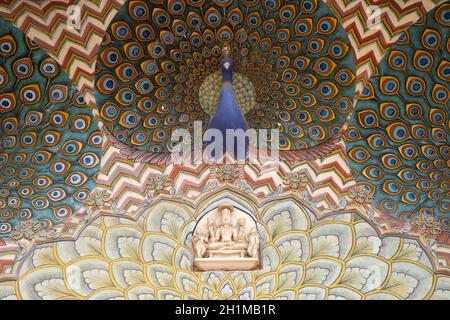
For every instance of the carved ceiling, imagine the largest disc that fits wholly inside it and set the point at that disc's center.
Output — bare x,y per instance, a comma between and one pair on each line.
383,183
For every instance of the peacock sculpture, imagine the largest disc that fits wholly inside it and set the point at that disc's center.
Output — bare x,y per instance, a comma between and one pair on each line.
228,116
160,69
50,144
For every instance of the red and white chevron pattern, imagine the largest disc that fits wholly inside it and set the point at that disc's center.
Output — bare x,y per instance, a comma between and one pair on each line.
329,178
371,43
47,23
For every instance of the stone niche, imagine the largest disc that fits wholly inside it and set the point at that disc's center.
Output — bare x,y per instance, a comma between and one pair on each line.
226,239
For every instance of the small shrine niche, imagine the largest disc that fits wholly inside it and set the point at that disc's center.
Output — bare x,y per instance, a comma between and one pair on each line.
226,239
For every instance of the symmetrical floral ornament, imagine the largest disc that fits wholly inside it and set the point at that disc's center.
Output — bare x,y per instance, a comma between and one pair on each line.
227,173
296,181
427,225
26,230
339,257
361,194
97,198
158,183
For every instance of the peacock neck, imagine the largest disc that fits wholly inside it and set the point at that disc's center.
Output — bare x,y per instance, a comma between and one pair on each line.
227,69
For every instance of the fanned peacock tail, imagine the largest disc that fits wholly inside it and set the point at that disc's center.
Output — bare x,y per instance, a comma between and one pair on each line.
294,69
399,137
50,144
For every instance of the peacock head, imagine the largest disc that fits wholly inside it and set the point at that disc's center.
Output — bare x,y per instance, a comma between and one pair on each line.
227,64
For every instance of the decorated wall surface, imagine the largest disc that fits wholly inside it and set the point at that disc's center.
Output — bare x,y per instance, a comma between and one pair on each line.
93,207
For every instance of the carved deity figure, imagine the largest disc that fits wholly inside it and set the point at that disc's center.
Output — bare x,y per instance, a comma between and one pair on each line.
226,235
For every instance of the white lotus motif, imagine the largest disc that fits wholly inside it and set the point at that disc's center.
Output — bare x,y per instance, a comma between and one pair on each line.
339,257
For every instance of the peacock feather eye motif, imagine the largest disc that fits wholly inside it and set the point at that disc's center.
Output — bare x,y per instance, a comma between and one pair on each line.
160,63
40,115
403,123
